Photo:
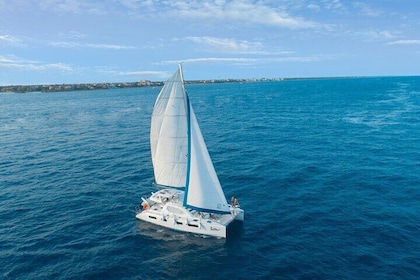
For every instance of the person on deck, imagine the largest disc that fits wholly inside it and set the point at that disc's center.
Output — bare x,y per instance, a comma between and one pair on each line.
235,202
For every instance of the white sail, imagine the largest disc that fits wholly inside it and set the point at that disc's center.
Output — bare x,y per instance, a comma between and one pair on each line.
204,191
168,134
175,163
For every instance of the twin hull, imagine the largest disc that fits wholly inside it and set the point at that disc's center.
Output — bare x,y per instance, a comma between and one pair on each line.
165,208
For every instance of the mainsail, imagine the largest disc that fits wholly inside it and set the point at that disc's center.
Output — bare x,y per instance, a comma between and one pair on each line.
179,153
168,134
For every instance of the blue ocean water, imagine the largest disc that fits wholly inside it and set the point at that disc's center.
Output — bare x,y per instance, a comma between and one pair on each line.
327,171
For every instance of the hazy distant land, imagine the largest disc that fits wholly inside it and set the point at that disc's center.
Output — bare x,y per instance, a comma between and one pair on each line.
95,86
73,87
143,83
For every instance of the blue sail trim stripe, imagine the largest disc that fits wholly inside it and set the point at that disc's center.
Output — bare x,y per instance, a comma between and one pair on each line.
187,183
206,210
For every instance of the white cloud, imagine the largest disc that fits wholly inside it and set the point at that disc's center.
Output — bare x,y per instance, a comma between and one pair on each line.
108,46
11,61
335,6
405,42
53,66
373,35
10,40
249,61
226,45
5,59
72,35
143,74
366,10
72,6
252,12
160,74
135,4
231,46
15,59
244,11
71,44
297,59
314,7
235,60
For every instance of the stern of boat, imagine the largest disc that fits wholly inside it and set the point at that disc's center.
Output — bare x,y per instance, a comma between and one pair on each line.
237,213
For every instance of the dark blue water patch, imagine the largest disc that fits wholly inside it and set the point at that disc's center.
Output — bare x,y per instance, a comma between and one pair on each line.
326,170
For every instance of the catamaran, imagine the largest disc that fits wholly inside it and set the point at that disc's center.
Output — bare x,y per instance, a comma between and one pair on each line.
189,195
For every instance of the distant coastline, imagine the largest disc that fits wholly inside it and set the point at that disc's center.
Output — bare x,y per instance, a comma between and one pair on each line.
143,83
96,86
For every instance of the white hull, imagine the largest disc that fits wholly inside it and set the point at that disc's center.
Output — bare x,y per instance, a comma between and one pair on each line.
164,208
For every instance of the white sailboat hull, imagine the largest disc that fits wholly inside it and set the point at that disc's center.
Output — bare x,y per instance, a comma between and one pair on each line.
164,208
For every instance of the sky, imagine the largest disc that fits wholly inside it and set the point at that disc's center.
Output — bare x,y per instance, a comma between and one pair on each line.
92,41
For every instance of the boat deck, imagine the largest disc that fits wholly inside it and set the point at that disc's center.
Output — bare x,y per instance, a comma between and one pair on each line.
164,196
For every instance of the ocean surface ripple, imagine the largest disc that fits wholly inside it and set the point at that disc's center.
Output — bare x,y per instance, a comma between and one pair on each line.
327,171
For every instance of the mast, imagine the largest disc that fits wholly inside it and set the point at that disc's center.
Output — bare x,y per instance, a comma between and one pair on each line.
181,74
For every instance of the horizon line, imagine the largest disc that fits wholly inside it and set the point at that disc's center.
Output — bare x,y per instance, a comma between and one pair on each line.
213,80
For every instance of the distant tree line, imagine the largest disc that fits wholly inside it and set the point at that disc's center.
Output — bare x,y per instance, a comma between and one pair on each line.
73,87
94,86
